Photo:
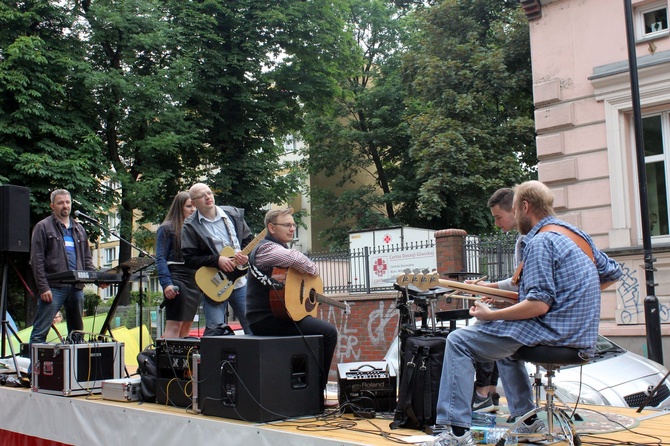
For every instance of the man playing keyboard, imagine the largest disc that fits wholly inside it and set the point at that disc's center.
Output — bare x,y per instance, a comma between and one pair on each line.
59,244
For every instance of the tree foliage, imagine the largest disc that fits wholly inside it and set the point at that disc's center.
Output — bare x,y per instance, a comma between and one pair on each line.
47,139
435,115
361,139
126,102
470,94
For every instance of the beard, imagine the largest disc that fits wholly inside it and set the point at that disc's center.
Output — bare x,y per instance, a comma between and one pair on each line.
524,225
64,213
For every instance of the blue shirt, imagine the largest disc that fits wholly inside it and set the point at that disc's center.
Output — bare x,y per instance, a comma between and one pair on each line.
557,272
68,240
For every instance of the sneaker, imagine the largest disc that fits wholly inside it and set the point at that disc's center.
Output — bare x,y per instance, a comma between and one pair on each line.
536,427
449,439
482,404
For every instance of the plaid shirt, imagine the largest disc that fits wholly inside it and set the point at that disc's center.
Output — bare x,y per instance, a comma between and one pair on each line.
271,255
556,271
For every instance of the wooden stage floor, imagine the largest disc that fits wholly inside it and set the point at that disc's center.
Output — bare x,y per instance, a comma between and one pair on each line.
26,416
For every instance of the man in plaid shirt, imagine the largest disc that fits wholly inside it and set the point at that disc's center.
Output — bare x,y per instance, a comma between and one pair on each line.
559,305
273,252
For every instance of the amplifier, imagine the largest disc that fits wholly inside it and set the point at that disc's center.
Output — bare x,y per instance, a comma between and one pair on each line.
75,369
174,363
368,385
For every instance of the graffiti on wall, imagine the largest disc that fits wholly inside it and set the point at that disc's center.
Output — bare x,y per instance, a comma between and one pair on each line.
350,345
631,300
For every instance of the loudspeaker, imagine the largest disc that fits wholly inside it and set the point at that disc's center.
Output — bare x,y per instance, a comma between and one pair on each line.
14,218
260,378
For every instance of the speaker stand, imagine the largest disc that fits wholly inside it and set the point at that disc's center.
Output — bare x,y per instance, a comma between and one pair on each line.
6,328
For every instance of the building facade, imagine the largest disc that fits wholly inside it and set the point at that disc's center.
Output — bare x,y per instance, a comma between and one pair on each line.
585,138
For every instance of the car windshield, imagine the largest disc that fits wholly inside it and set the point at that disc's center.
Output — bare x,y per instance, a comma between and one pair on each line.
604,345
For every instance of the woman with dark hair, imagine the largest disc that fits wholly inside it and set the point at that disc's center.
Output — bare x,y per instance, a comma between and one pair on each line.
181,293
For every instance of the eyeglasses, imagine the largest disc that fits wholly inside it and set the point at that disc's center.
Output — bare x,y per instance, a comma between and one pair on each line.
286,225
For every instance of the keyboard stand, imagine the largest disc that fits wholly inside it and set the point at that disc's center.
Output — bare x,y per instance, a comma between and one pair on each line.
127,269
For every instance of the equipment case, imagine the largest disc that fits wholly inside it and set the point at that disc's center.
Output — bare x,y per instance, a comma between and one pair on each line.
124,389
75,369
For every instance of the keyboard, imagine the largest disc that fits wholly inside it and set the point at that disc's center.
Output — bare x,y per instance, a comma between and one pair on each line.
84,277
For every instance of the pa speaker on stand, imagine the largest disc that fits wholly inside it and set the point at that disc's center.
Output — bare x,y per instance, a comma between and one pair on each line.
14,218
14,238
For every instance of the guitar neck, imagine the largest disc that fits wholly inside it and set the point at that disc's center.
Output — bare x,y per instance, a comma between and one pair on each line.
252,244
327,300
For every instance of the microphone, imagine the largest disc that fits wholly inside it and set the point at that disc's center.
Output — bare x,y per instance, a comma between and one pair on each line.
165,301
85,217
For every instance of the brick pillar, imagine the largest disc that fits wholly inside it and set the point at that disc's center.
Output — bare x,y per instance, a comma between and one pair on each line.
449,250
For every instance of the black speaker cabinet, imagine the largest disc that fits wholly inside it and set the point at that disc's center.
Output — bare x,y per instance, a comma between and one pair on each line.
14,218
260,378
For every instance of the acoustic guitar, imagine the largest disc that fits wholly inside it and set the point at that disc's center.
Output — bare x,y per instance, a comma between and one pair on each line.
426,281
219,285
300,296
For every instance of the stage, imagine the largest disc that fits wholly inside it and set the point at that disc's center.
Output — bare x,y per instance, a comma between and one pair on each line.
32,419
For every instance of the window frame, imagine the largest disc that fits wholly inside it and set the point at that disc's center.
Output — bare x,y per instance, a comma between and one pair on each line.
640,23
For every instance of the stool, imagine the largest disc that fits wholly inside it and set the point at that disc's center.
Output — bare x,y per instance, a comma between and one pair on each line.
551,359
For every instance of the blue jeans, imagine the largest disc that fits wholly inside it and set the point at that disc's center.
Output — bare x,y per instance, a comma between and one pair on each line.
464,348
217,313
72,299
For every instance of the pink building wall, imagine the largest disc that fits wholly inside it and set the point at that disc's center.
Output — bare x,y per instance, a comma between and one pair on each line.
584,137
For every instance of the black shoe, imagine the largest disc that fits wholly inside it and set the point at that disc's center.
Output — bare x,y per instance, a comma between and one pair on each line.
495,398
436,429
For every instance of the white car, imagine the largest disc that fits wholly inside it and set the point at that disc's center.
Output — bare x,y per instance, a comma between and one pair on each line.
614,377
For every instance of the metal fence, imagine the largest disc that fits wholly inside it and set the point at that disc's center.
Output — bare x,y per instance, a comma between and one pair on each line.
349,271
490,255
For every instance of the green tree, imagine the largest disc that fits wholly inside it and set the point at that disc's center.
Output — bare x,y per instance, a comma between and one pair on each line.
140,81
47,139
471,106
258,64
361,139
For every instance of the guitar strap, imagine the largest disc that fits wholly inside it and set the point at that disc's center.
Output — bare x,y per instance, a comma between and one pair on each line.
576,238
264,279
231,231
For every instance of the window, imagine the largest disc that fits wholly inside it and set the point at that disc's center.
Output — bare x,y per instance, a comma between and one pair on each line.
110,256
652,20
113,225
109,292
657,159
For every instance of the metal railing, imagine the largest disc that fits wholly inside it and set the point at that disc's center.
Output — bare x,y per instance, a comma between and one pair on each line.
349,271
490,255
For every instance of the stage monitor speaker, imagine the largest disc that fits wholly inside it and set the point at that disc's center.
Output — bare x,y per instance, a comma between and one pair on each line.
260,378
14,218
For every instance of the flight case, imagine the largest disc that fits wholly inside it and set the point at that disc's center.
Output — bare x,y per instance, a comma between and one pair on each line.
75,369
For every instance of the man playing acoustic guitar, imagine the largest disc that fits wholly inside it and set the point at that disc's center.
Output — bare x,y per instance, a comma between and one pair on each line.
265,293
204,236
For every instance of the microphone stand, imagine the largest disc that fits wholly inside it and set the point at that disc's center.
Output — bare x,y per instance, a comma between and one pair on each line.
126,274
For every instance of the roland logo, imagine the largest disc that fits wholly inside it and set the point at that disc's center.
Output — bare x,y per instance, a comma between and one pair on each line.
373,385
95,354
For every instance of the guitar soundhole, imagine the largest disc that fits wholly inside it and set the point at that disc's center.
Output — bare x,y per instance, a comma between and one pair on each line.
310,305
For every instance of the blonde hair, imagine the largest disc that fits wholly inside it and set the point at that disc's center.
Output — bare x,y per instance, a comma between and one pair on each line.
272,214
537,195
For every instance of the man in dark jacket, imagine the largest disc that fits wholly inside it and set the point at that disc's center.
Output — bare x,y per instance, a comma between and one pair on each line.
58,244
205,234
